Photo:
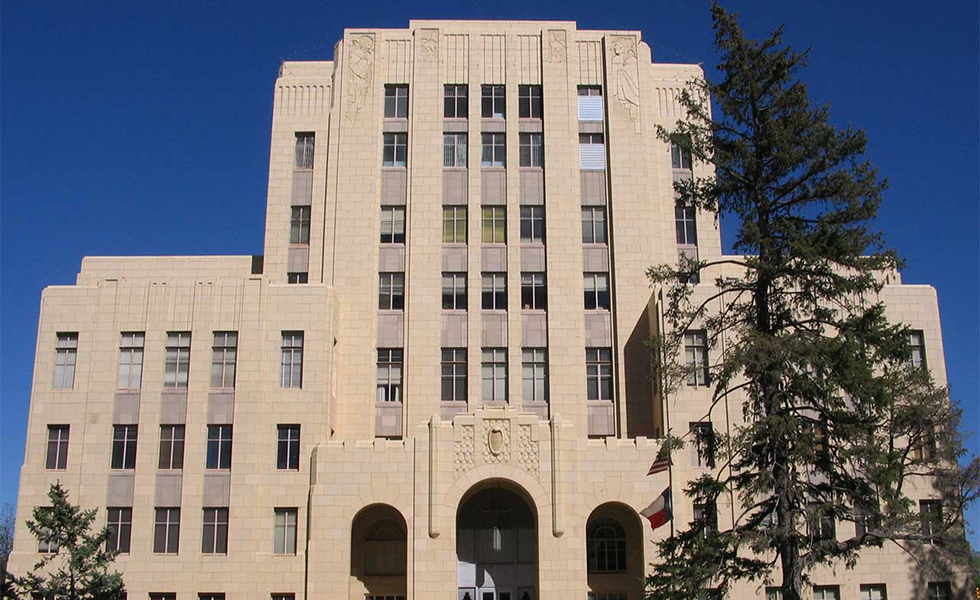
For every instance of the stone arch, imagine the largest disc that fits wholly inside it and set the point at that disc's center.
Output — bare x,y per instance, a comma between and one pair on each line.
497,542
378,552
614,550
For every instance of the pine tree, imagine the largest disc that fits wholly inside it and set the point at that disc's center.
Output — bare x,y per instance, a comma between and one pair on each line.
837,423
77,564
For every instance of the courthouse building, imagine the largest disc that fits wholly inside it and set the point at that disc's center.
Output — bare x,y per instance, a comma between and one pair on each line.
434,383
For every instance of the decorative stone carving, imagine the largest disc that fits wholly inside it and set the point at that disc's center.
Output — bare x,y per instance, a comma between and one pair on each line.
429,42
529,458
463,450
626,76
361,73
556,46
496,448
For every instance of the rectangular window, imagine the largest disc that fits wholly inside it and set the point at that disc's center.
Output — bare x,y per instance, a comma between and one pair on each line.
822,525
120,524
395,150
706,519
532,224
598,373
494,149
57,456
456,101
591,151
703,441
494,291
494,376
214,537
287,450
596,291
680,155
304,150
171,447
130,360
178,359
396,101
66,352
392,224
939,590
696,357
534,374
494,222
292,360
283,596
45,546
163,596
534,291
531,150
873,592
219,447
391,291
299,225
124,446
493,101
589,103
826,592
593,225
454,149
774,593
166,531
211,596
297,277
454,224
608,596
389,387
931,518
454,374
685,224
917,349
923,442
285,537
529,101
224,356
454,291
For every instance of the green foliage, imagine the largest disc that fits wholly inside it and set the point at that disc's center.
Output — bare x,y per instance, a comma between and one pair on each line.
79,569
837,421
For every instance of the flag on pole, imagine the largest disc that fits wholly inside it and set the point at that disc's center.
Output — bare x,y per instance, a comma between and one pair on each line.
659,465
660,510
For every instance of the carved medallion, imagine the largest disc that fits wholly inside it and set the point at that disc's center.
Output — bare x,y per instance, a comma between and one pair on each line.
495,440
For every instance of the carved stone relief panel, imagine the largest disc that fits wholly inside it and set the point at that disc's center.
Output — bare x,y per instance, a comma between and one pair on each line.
360,72
463,447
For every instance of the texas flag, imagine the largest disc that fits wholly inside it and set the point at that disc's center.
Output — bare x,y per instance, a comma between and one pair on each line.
660,510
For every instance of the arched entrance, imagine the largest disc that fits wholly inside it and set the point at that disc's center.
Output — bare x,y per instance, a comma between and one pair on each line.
379,554
496,543
614,553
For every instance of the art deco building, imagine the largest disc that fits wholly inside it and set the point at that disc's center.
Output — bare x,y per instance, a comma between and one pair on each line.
434,383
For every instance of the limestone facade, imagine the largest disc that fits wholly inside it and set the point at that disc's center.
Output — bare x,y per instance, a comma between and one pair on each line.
403,489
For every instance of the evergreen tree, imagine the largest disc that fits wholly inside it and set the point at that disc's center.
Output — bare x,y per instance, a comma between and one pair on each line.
838,425
77,564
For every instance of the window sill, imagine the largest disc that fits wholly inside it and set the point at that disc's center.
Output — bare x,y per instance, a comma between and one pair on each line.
493,168
597,311
391,311
534,311
531,244
302,169
494,403
595,245
454,244
216,470
395,168
494,311
454,311
456,169
223,389
127,390
527,169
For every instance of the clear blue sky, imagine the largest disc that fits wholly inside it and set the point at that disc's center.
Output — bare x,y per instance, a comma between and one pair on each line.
143,128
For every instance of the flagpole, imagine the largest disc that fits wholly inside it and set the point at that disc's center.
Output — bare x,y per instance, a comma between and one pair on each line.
663,393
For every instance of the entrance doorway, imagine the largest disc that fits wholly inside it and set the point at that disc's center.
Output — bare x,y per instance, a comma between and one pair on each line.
496,544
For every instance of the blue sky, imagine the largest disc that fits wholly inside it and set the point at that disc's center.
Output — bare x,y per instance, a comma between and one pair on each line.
143,128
